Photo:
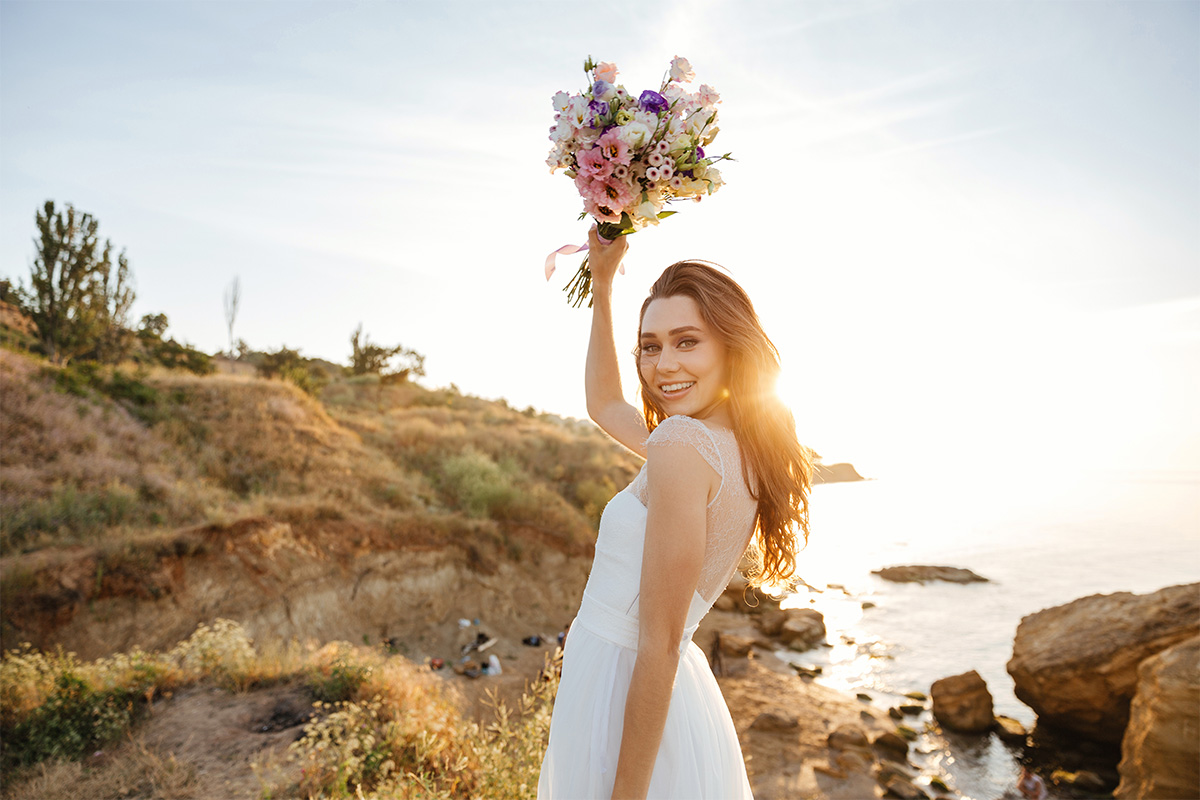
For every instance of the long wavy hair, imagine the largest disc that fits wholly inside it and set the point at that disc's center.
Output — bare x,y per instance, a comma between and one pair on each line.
777,469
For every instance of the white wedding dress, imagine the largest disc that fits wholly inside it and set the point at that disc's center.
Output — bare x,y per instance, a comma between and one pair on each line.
699,756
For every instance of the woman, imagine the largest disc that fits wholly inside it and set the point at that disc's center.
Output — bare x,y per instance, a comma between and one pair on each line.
638,713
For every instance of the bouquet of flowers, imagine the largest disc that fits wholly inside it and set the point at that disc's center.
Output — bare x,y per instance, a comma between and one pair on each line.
631,156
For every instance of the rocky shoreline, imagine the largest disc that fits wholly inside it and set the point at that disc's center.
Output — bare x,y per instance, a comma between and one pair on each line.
1113,680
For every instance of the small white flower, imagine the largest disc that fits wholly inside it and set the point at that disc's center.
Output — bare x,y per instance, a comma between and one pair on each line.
655,159
652,174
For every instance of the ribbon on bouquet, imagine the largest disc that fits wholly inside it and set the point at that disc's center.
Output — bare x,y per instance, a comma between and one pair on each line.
570,250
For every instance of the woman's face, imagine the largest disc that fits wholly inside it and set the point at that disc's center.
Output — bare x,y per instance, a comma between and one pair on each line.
682,362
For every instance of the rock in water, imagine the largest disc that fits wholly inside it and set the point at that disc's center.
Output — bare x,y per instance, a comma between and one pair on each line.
1076,664
922,573
1160,754
963,703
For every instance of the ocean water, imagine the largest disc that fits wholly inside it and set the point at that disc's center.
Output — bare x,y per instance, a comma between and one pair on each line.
1041,542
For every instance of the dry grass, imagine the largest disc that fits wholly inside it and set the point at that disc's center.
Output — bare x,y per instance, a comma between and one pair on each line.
131,772
383,726
166,449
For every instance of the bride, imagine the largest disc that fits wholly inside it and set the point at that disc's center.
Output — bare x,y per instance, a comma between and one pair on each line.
638,712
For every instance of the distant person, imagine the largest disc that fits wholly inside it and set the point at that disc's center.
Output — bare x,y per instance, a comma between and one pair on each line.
638,712
1031,786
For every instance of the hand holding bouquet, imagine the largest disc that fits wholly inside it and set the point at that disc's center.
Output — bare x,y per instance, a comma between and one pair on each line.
630,156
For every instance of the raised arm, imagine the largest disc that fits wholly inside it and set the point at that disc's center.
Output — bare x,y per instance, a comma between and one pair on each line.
606,403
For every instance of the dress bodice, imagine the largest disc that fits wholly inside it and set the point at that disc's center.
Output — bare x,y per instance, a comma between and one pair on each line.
616,570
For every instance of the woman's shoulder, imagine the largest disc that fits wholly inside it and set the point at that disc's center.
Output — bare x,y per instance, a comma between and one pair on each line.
685,430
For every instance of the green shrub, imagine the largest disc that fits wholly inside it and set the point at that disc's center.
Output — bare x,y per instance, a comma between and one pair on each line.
477,484
70,509
75,719
340,683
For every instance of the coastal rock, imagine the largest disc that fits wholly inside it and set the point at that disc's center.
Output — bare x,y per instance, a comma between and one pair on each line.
737,646
1160,754
846,736
922,573
835,473
903,788
1010,730
803,629
773,722
746,599
963,702
1076,664
891,746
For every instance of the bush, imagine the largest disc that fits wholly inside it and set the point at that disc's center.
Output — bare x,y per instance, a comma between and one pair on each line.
80,512
477,484
76,719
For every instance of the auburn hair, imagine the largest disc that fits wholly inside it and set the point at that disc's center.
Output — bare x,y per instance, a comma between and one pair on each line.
777,469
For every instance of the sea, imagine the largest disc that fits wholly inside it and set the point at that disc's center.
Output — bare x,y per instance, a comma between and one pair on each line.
1040,542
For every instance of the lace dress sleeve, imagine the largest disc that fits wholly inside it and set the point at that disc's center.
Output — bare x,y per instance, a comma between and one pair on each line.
681,430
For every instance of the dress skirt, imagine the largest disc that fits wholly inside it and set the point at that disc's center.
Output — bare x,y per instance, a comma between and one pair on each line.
699,757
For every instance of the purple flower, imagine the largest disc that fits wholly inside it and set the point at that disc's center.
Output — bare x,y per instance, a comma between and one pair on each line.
601,88
699,152
653,102
599,108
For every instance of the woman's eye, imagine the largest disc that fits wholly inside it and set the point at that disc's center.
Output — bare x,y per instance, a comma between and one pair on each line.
649,349
687,343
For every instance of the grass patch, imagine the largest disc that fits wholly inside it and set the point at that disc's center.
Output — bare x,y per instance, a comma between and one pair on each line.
383,726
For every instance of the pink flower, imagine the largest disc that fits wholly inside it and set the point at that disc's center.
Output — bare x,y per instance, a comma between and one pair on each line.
681,70
614,149
606,71
707,95
593,163
602,212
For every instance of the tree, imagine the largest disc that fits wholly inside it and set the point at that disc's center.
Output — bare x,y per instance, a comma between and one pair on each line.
371,359
233,294
113,301
77,303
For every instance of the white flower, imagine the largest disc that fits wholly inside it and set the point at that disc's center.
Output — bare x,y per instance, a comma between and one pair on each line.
681,70
635,134
655,159
652,174
648,211
561,99
663,147
666,171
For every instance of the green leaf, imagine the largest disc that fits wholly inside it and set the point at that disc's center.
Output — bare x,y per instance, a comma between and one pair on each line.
664,215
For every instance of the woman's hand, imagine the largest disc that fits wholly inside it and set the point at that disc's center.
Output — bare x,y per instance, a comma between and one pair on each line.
604,259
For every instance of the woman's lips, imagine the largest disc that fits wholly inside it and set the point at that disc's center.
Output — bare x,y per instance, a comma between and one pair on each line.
677,392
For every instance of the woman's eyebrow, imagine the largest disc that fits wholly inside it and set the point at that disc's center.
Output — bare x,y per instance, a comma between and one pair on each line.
673,331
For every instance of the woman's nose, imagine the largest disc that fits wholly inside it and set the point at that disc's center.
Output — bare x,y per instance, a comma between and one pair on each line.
667,361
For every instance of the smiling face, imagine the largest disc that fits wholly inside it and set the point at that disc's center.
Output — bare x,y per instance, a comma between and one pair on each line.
682,362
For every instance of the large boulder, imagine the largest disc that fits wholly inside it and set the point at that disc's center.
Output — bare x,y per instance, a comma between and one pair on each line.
1076,664
963,703
1160,754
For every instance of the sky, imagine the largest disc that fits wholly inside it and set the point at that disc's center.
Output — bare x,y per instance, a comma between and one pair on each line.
972,229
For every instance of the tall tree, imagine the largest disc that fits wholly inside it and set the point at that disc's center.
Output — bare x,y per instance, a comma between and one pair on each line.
233,294
78,304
